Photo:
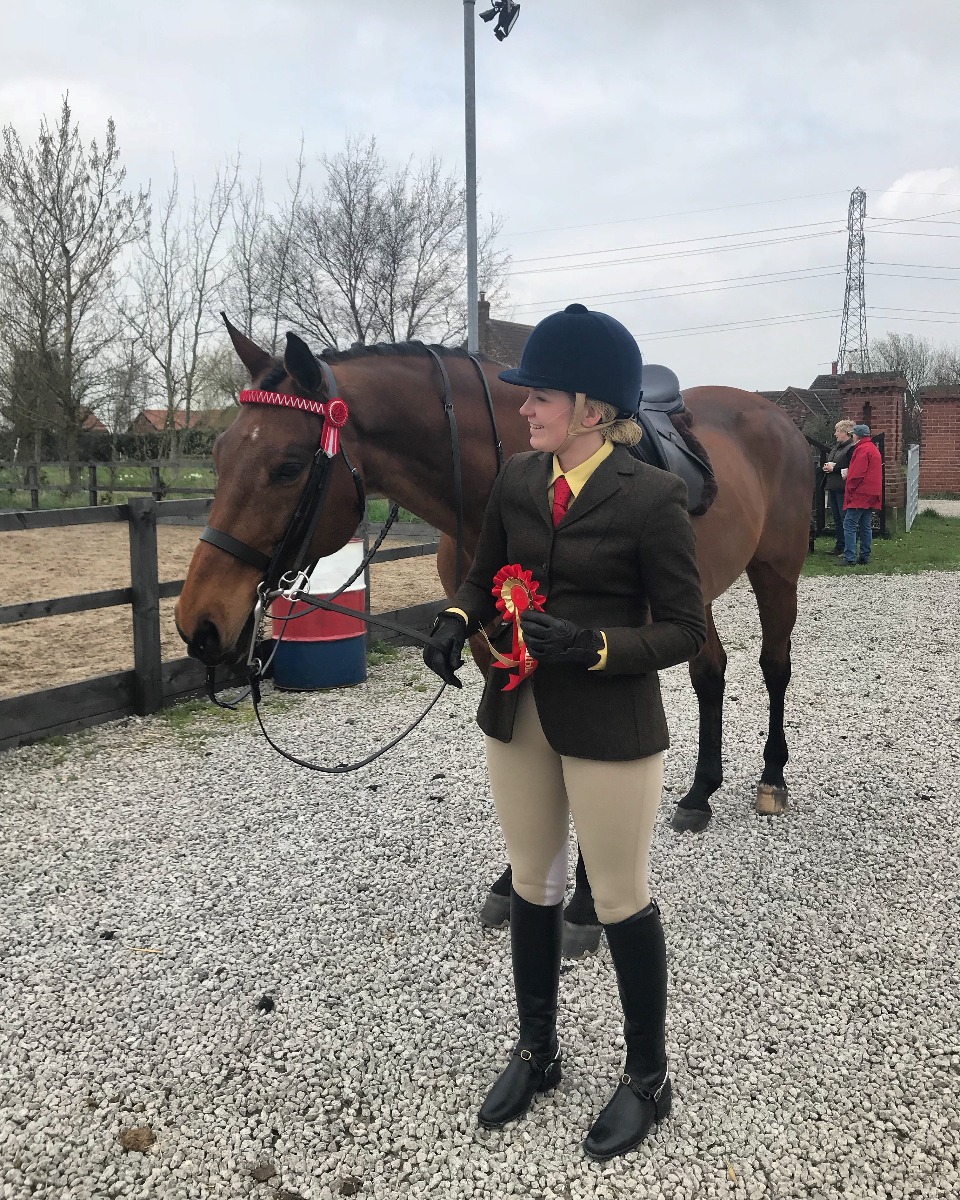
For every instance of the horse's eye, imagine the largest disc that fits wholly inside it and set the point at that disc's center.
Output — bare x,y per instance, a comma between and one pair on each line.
286,473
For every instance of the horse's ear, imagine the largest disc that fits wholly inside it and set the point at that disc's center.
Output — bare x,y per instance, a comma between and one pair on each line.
253,358
300,364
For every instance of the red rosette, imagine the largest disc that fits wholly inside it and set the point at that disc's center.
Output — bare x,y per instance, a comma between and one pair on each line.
516,592
336,412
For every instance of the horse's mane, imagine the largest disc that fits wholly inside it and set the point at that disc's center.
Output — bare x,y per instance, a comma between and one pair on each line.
398,349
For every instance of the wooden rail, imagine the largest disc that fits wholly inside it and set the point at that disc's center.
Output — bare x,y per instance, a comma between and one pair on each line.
152,682
158,487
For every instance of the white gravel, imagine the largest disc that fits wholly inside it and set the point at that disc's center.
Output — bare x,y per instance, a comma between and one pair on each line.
814,1025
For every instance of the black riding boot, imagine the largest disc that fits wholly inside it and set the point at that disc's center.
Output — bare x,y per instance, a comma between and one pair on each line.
644,1094
536,933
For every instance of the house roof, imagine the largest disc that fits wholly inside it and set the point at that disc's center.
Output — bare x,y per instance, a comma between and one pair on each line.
504,340
91,422
157,418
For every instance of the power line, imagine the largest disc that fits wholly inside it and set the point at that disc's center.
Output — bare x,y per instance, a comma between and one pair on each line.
706,237
748,323
689,212
624,262
872,262
690,290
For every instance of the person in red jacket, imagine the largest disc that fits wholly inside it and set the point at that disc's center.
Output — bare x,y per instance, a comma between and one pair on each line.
863,494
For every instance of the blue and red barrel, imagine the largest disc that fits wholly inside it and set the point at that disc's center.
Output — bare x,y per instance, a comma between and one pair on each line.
320,649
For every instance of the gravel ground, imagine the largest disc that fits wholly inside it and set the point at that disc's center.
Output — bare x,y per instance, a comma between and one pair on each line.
166,882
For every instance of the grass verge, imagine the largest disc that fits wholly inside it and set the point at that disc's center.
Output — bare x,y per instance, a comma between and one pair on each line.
933,544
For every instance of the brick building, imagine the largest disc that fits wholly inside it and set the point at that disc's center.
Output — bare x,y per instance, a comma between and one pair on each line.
940,441
880,399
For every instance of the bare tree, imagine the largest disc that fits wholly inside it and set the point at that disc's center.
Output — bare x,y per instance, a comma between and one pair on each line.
177,284
260,258
381,255
65,220
920,361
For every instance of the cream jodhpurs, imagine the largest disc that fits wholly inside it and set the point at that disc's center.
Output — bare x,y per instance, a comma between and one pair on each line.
614,806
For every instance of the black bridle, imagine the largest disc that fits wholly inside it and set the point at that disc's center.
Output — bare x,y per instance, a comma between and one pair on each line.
294,546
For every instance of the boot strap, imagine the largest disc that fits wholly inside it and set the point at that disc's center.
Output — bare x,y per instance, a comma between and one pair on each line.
527,1056
651,1094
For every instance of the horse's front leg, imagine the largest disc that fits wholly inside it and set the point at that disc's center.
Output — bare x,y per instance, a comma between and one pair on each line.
707,672
777,604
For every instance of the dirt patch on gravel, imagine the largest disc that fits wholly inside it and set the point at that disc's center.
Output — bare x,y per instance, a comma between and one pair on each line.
44,563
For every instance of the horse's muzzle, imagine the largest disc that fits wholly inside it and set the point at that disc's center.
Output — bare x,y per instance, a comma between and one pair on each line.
205,644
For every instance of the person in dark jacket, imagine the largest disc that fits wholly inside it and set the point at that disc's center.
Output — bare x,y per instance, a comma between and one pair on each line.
609,595
837,462
862,497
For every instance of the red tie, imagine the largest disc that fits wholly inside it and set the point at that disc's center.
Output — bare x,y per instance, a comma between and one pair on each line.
561,499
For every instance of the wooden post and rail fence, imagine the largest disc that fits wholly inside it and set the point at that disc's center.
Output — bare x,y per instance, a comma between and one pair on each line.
153,682
32,479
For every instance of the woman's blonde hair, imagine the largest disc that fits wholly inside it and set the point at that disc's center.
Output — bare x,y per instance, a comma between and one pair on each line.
622,431
843,427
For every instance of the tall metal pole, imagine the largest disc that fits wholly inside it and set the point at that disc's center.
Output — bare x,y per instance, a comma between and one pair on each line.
470,108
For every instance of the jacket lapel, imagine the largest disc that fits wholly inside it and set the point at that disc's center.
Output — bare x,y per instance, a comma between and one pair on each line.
602,484
538,475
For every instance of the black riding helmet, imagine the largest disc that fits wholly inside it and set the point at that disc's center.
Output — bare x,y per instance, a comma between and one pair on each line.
579,350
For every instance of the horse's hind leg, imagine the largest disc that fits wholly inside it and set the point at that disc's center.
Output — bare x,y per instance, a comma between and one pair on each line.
707,676
581,925
777,604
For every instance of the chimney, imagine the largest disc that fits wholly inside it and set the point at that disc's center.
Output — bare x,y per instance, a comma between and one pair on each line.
833,368
483,323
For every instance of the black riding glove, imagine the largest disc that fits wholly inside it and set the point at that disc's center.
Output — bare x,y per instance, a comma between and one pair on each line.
446,656
555,641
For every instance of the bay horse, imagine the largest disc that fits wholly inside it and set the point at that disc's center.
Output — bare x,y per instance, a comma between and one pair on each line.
397,438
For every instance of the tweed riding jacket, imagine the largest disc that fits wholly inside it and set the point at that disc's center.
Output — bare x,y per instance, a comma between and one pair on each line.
622,560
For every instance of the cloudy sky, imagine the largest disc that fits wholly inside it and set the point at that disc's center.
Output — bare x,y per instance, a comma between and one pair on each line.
686,166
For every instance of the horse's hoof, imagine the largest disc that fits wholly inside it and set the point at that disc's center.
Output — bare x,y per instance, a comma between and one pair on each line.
690,820
771,801
495,912
579,940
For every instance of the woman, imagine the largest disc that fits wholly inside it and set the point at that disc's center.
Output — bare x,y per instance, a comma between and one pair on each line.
608,542
838,461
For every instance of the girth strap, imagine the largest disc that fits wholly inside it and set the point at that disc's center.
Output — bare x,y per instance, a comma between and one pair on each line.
447,399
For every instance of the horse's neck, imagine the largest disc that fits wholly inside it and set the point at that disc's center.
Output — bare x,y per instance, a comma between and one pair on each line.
405,442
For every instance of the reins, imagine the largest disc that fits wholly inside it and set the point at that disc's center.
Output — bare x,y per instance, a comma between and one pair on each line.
295,543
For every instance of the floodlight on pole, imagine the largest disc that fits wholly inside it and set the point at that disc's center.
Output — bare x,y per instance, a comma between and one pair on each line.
506,13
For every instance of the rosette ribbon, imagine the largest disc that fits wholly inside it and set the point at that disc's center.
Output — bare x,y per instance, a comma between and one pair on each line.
516,592
334,413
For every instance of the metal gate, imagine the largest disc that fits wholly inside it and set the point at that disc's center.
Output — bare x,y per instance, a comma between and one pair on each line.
913,483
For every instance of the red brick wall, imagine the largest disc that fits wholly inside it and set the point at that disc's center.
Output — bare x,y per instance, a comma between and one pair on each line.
940,440
880,403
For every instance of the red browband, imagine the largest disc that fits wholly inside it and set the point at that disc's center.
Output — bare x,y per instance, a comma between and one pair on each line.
334,413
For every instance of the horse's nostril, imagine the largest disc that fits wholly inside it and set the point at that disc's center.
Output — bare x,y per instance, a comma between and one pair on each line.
205,643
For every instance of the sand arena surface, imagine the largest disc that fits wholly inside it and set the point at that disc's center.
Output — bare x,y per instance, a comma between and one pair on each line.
45,563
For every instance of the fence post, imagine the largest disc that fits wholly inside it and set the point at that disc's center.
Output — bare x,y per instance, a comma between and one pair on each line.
145,583
156,482
33,483
92,485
